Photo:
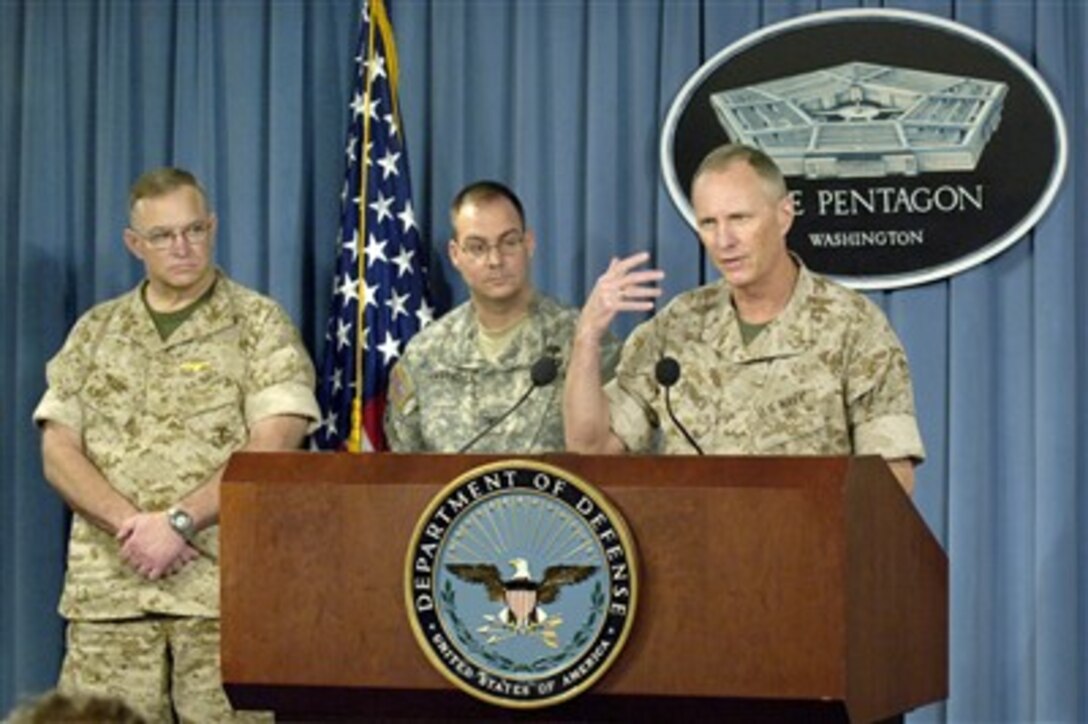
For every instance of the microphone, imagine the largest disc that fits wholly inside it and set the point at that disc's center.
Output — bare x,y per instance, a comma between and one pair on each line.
667,372
542,373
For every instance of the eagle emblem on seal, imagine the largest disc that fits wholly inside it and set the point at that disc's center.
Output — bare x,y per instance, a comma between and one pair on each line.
521,595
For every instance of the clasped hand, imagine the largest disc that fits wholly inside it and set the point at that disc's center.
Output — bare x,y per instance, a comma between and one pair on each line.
152,548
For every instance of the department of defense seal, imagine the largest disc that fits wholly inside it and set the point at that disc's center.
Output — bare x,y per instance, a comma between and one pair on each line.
521,584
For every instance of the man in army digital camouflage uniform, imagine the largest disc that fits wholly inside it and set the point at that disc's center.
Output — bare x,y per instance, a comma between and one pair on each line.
146,401
774,360
464,371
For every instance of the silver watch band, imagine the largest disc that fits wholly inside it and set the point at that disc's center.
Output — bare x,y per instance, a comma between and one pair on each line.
181,521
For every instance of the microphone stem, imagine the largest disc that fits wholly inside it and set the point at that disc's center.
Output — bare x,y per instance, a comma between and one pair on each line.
496,423
675,421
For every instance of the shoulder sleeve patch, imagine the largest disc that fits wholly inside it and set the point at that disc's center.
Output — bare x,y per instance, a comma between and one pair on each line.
402,391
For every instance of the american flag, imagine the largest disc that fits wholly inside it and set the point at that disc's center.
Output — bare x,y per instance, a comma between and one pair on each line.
381,261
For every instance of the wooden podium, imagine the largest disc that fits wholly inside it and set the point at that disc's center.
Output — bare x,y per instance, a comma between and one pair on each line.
803,588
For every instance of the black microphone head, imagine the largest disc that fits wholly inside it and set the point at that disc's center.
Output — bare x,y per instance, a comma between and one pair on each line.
544,371
667,371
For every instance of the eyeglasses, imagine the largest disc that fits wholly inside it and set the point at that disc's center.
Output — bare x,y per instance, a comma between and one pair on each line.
479,249
194,234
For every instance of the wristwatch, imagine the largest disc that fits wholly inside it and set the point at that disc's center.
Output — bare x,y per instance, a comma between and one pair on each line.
181,522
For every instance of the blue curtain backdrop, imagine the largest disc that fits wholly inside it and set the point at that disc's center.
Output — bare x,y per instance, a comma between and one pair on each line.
563,99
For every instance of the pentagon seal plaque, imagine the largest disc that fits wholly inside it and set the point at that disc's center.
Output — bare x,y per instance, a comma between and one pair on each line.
915,147
520,584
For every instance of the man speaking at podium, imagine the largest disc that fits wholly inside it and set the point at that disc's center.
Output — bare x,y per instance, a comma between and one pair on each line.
487,376
770,360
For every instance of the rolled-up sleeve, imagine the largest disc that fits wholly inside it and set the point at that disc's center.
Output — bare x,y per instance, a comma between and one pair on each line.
632,391
281,374
65,375
880,397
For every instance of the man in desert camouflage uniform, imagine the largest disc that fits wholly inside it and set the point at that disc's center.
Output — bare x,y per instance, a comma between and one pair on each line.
774,360
146,401
463,372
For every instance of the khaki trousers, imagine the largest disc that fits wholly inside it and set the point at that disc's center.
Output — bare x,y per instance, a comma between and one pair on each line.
166,668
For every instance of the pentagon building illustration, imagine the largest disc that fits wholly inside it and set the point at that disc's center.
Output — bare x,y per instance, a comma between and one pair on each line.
863,120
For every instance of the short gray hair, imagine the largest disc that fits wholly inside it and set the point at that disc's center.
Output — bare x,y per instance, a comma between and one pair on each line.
725,156
161,181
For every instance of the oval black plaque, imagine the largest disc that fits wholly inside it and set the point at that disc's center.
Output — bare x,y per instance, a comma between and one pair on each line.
915,147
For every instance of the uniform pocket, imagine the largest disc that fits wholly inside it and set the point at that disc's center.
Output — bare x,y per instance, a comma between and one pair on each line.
220,424
108,399
806,420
